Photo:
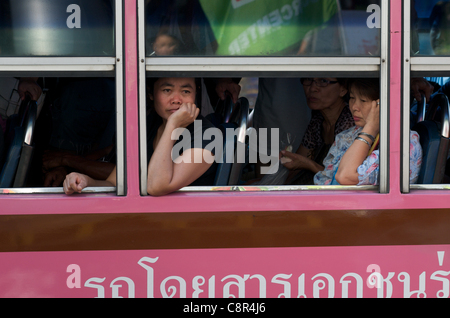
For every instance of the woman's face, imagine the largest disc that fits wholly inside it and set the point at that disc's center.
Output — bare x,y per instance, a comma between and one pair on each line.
170,93
322,98
360,107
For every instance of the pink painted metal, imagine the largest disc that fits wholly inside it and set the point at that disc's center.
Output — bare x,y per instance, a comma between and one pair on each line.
131,98
233,201
395,62
402,271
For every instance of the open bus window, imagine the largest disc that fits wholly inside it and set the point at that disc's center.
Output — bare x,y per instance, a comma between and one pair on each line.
56,28
53,126
428,108
283,138
429,117
271,28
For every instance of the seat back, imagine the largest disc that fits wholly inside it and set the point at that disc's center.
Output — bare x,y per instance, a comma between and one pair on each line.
241,149
234,146
224,166
18,159
26,154
434,139
12,159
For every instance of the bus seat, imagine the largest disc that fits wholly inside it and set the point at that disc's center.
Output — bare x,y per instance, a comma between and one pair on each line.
214,119
2,145
27,147
417,113
12,159
421,109
224,167
241,142
235,117
225,109
434,139
20,150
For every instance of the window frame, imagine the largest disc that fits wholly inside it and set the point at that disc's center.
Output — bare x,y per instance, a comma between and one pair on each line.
415,66
76,66
269,66
355,203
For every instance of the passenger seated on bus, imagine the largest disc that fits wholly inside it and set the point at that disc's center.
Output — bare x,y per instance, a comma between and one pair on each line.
76,131
173,106
327,98
354,158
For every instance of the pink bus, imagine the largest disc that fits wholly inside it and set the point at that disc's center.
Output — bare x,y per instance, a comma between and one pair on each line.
232,239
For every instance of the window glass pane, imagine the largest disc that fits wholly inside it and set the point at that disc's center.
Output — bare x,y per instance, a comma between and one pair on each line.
262,28
70,128
56,28
430,119
430,27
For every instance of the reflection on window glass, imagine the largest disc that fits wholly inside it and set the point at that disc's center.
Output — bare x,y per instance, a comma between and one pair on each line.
56,28
262,27
430,27
50,127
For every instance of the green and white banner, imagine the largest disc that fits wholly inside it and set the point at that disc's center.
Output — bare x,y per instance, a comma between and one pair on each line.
264,27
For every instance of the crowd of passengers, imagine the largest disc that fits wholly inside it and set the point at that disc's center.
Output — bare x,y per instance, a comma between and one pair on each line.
332,123
340,145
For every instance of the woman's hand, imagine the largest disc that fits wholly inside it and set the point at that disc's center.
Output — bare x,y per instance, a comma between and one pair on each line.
373,119
184,116
298,162
293,161
75,182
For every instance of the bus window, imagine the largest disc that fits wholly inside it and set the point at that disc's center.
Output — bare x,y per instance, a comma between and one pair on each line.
286,137
57,28
426,77
61,79
257,38
70,127
429,117
272,28
430,27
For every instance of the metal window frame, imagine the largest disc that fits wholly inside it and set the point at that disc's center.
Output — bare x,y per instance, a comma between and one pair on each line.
404,179
272,67
74,66
416,66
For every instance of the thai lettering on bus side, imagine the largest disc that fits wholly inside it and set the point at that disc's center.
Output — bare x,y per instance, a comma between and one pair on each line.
74,19
294,284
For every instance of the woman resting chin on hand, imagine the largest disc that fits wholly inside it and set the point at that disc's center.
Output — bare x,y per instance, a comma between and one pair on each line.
354,158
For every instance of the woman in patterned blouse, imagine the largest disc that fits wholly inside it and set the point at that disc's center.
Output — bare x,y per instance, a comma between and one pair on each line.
326,97
353,159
